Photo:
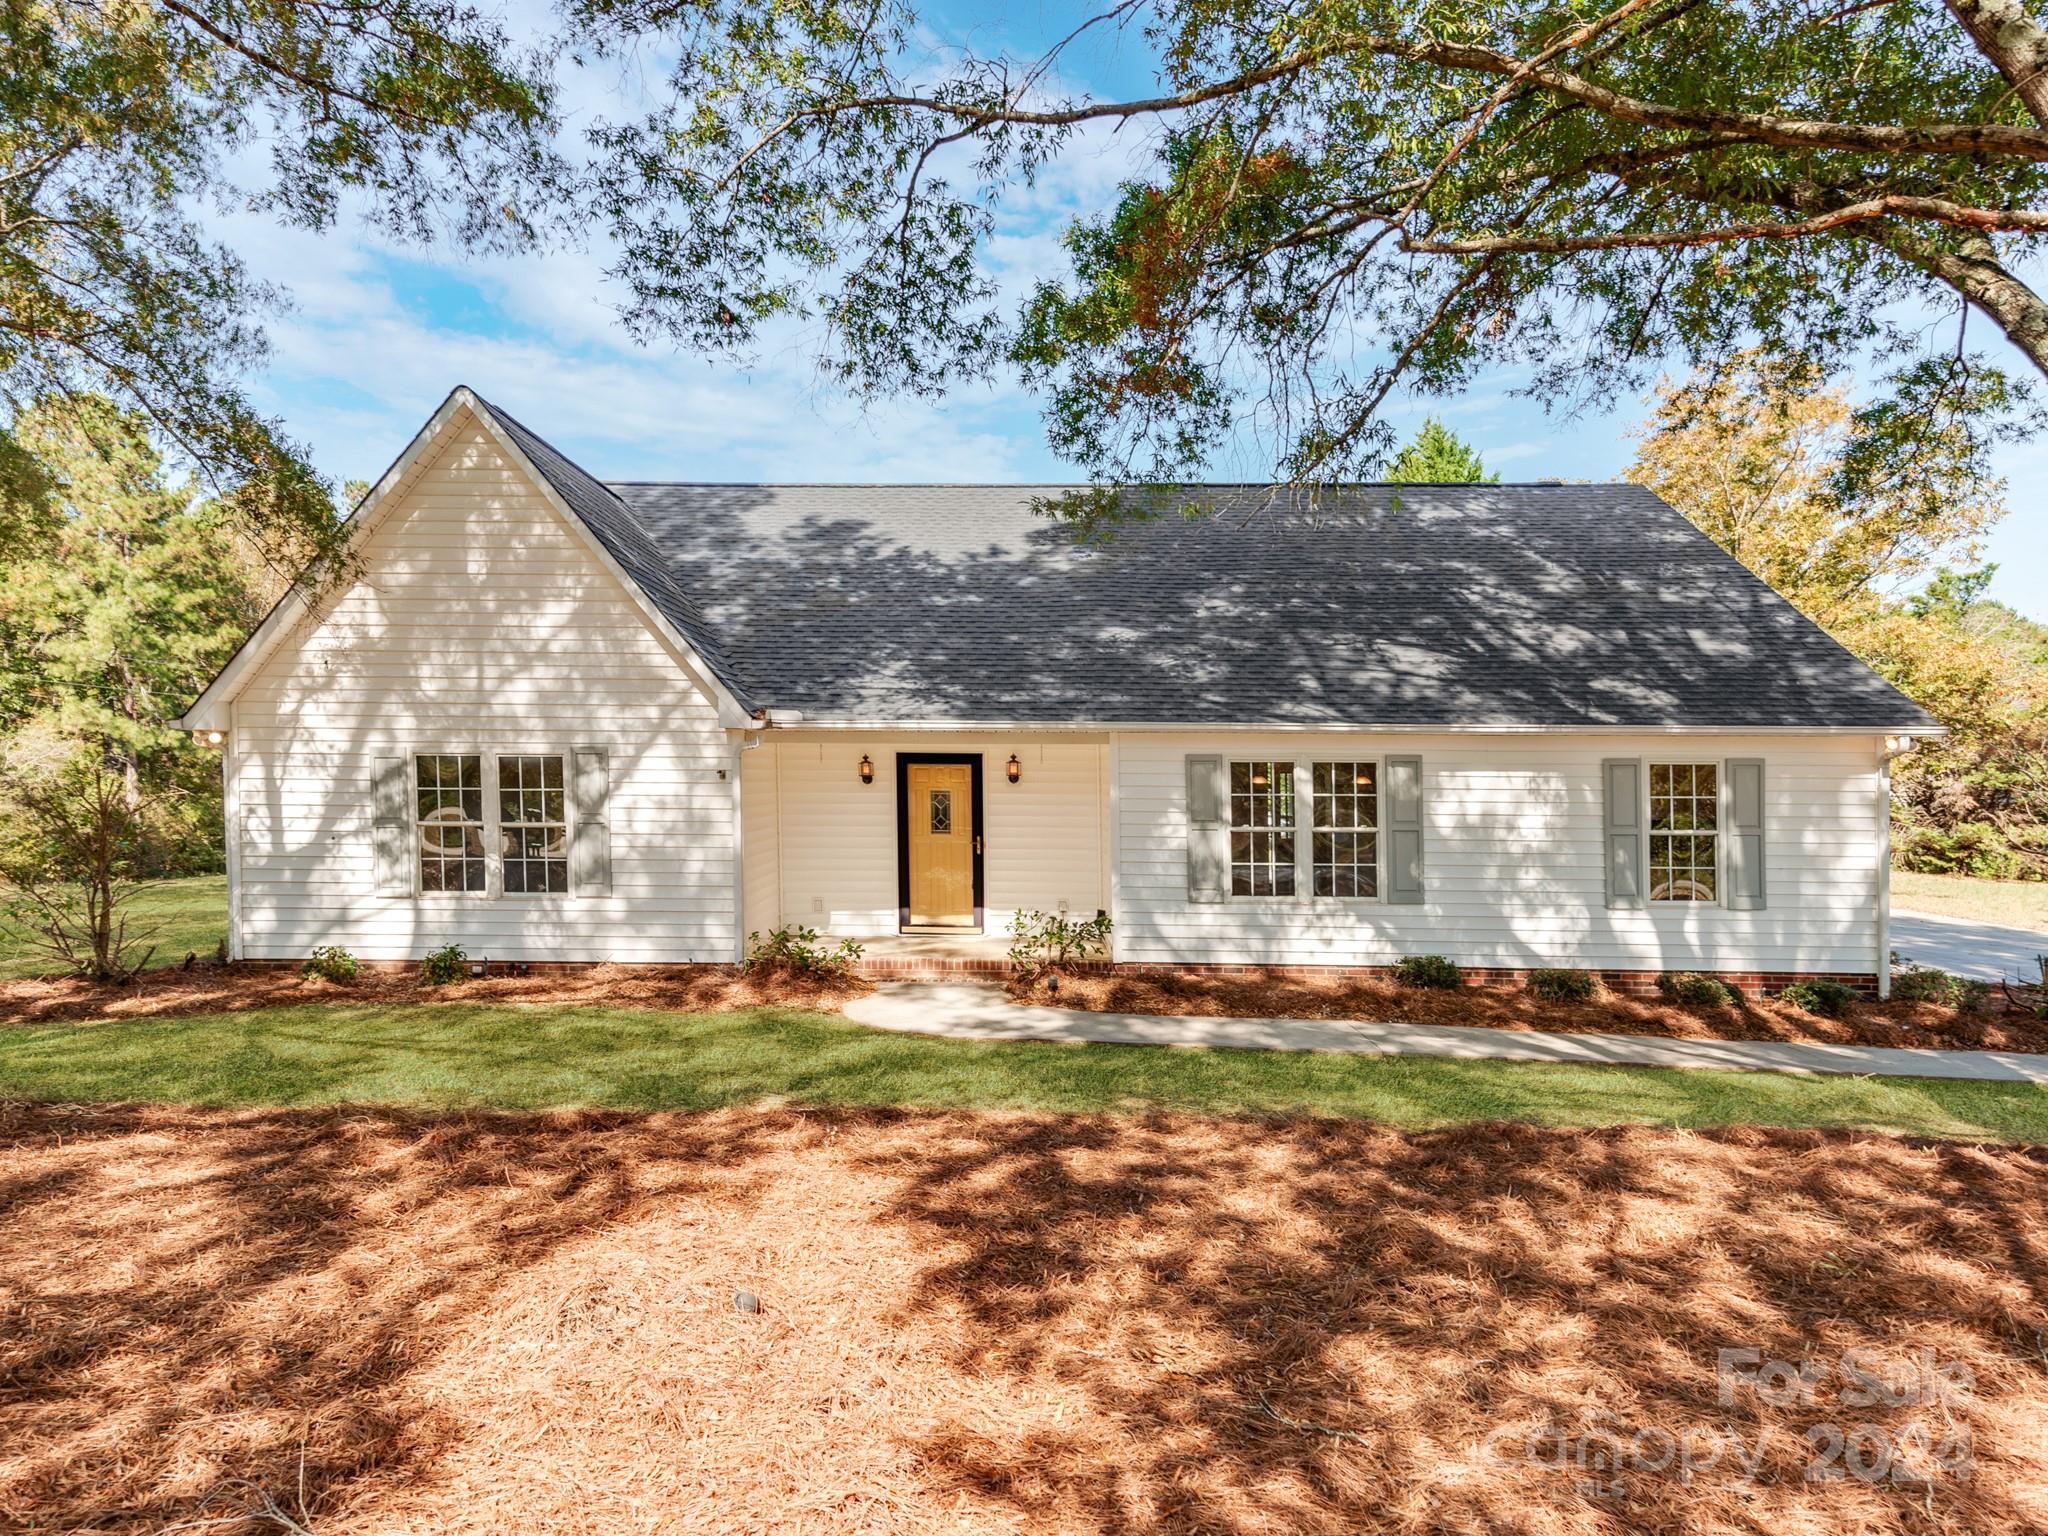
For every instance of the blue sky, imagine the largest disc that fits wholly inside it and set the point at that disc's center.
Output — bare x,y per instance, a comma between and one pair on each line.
377,335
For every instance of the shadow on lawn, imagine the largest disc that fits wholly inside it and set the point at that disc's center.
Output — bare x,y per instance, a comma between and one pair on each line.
1316,1328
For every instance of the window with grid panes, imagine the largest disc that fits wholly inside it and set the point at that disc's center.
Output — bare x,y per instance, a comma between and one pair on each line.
1685,815
533,824
449,789
1262,829
1345,820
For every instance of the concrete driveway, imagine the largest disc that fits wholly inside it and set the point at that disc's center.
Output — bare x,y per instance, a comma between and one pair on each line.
1983,950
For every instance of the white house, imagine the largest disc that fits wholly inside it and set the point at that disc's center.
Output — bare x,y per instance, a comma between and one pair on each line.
1520,725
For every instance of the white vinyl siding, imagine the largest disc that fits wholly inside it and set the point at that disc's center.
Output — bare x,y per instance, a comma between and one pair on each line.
1042,836
479,624
1513,840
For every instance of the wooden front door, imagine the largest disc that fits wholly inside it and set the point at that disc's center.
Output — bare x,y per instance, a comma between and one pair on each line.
942,845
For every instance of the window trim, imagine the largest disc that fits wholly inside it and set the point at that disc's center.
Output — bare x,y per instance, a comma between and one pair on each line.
1651,899
494,832
1303,828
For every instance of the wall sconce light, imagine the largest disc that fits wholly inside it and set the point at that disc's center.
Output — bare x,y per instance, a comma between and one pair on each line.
867,769
209,738
1013,769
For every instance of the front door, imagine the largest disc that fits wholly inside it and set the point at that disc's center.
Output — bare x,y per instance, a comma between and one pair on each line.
941,845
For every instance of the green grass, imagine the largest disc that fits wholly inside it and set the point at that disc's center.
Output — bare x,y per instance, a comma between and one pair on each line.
180,916
452,1056
2011,903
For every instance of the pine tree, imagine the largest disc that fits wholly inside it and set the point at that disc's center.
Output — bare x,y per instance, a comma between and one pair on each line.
1438,456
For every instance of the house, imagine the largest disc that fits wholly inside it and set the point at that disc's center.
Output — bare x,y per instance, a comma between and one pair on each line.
552,719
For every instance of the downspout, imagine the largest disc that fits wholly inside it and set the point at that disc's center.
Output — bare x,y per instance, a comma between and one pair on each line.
1894,747
743,744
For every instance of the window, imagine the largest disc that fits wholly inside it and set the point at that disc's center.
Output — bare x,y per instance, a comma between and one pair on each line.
450,794
942,812
533,825
1262,829
1685,808
1346,818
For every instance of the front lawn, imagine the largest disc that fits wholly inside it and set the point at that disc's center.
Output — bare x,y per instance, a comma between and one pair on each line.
457,1056
2009,903
180,917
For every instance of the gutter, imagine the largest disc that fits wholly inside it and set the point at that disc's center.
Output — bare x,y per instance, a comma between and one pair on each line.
1895,746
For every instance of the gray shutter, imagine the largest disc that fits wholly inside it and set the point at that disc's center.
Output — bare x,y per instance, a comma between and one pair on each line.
1742,834
1208,829
1404,831
391,827
590,839
1621,792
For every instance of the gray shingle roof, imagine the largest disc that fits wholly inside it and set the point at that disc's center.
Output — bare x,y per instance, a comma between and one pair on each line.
1417,605
1509,605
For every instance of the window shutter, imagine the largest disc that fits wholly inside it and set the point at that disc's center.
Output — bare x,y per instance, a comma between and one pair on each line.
1208,829
590,839
391,833
1404,831
1742,820
1621,780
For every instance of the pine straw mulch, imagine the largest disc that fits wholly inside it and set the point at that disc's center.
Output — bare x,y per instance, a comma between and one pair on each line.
1867,1023
981,1323
211,988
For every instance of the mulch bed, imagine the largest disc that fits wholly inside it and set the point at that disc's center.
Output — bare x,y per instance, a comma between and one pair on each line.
1005,1323
236,988
1866,1023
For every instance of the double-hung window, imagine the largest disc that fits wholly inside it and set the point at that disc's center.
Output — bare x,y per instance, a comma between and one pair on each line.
1685,814
456,824
1262,829
449,789
1305,829
533,825
1346,855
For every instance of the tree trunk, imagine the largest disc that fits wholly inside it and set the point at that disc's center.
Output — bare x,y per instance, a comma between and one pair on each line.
2016,43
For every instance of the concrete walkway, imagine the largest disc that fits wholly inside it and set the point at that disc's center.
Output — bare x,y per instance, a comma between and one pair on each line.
982,1011
1984,951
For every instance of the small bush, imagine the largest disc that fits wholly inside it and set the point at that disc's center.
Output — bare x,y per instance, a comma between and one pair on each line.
1925,984
1428,971
1696,990
1973,848
1829,999
801,949
443,965
1563,986
1044,941
330,962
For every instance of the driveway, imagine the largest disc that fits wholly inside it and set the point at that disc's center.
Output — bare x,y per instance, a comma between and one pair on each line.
1983,950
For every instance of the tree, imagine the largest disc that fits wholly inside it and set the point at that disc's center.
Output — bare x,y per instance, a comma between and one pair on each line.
1345,197
116,116
1438,455
1812,493
134,593
1800,485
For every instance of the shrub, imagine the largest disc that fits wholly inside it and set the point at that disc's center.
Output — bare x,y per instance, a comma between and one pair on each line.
1043,941
1695,990
1925,984
1428,971
443,965
1829,999
1563,986
801,949
1973,848
330,962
